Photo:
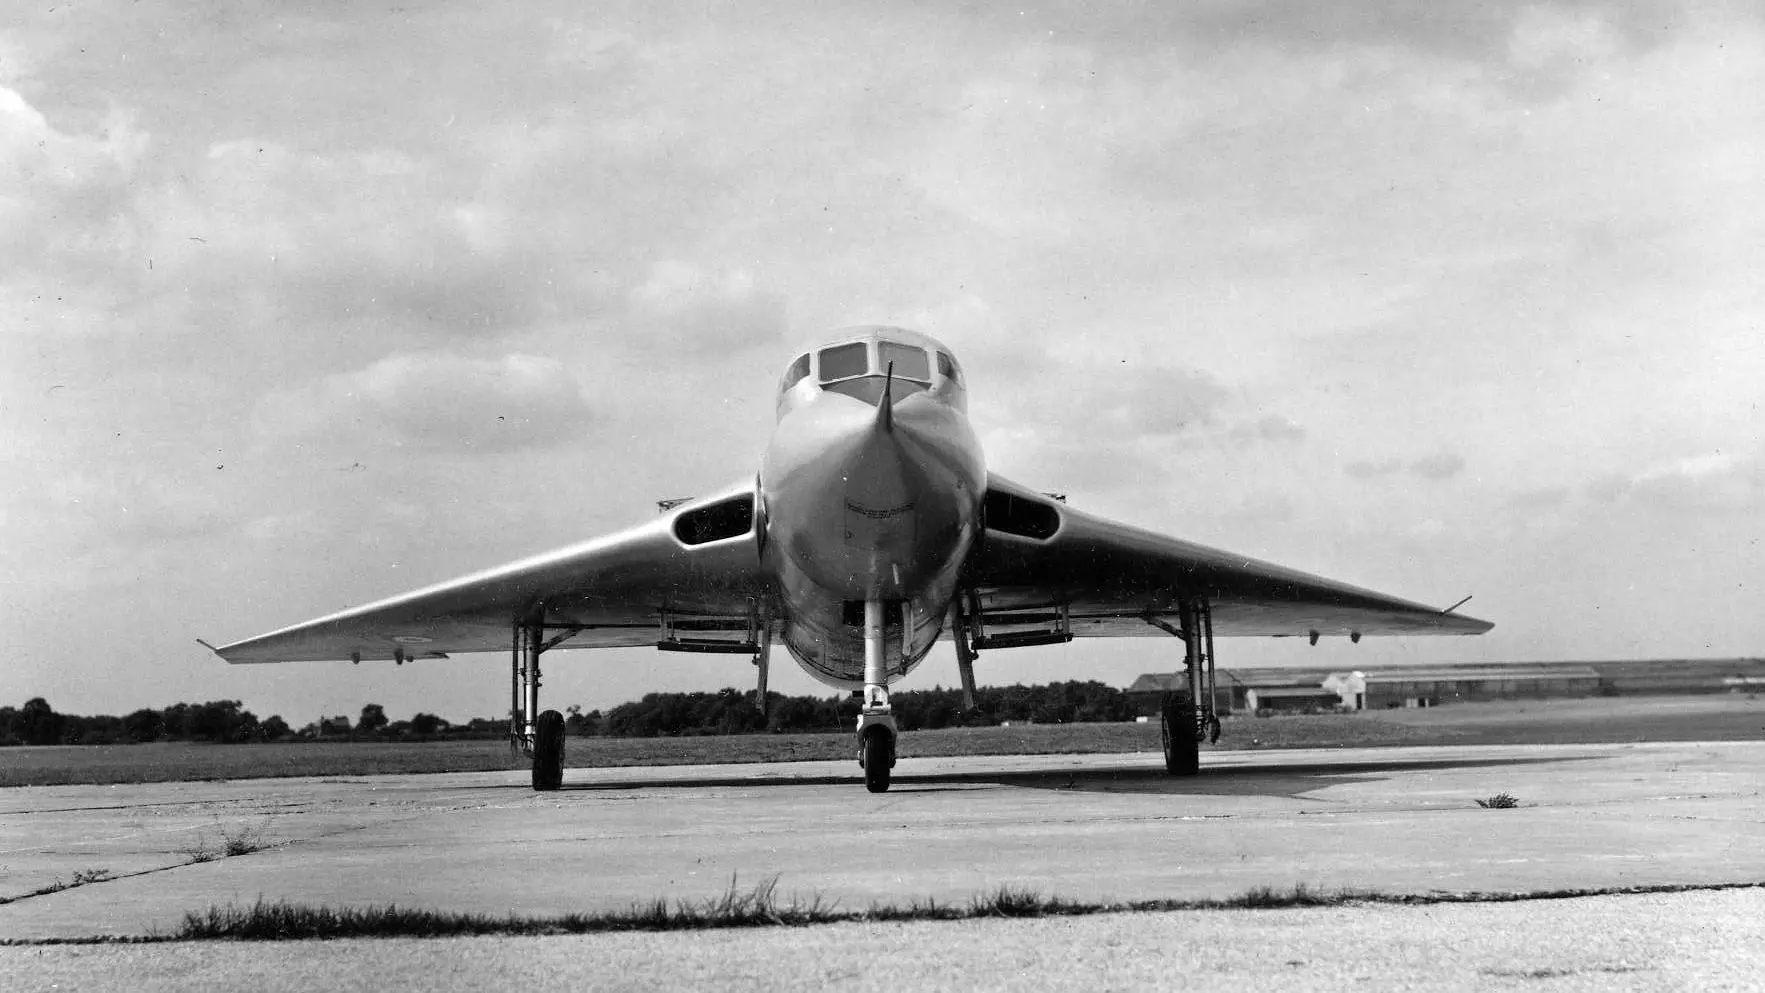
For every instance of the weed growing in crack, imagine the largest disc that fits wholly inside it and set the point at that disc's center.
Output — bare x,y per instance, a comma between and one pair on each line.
229,840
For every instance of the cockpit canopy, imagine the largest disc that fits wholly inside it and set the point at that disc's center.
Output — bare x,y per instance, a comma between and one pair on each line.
858,368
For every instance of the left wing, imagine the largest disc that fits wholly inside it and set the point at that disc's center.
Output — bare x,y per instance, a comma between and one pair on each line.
701,557
1111,577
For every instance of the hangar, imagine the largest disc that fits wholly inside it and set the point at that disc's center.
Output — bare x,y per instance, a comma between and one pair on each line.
1431,687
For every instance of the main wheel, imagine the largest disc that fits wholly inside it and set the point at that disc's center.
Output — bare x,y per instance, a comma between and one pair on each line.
548,751
877,755
1182,751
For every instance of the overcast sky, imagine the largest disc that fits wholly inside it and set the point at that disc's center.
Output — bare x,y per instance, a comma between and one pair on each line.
306,304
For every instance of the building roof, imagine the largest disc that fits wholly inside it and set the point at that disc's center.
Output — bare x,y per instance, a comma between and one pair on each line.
1460,674
1158,682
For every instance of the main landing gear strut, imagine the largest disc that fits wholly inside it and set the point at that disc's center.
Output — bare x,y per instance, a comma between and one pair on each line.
1186,714
876,720
539,736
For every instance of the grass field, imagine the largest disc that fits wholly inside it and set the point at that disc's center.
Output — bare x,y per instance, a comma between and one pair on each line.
1680,718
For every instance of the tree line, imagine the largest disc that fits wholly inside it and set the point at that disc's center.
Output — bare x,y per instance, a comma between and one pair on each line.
727,711
731,711
218,721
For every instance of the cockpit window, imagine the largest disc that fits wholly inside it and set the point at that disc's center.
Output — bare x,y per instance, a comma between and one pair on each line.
947,367
843,361
795,373
909,360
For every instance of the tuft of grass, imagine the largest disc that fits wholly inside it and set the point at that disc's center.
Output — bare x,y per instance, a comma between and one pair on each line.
1300,895
1500,801
229,840
244,838
1011,901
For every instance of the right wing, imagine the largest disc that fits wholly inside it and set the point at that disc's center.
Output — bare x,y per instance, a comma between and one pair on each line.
701,557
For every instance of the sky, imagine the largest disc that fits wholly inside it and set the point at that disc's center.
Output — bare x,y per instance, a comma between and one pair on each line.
302,305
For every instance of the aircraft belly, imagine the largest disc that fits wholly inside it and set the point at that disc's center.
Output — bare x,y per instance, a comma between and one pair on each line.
816,635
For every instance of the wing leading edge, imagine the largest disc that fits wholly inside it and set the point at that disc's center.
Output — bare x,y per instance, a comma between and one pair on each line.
1113,576
613,587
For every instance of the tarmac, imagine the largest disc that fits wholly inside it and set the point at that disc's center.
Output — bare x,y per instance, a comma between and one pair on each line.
135,858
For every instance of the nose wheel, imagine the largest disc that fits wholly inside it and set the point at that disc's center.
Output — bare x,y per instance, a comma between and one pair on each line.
876,753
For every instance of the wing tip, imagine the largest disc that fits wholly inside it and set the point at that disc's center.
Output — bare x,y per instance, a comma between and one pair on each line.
1473,625
226,653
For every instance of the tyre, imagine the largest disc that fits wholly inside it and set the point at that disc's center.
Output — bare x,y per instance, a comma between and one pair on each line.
878,756
1182,751
548,751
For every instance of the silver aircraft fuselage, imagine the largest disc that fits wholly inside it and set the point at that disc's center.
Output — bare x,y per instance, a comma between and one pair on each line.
870,490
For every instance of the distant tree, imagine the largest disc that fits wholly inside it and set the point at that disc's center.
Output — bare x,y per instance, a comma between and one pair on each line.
795,713
38,723
373,719
274,728
426,724
145,724
217,720
581,724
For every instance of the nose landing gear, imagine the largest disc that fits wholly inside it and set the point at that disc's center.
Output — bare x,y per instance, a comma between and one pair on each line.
876,721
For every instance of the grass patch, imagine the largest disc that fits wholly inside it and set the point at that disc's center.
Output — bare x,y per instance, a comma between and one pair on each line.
1500,801
762,907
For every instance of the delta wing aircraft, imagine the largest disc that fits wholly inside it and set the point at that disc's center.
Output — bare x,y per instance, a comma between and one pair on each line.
872,529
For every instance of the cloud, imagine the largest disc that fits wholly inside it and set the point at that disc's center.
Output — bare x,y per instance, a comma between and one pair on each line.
436,402
1363,469
1269,428
680,304
66,217
1545,498
1716,482
1442,465
378,235
1455,29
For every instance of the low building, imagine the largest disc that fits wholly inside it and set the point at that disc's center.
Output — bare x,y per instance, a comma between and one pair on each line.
1290,699
1432,685
1649,676
1422,686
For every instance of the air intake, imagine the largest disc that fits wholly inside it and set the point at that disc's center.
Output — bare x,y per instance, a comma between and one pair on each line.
730,518
1015,515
